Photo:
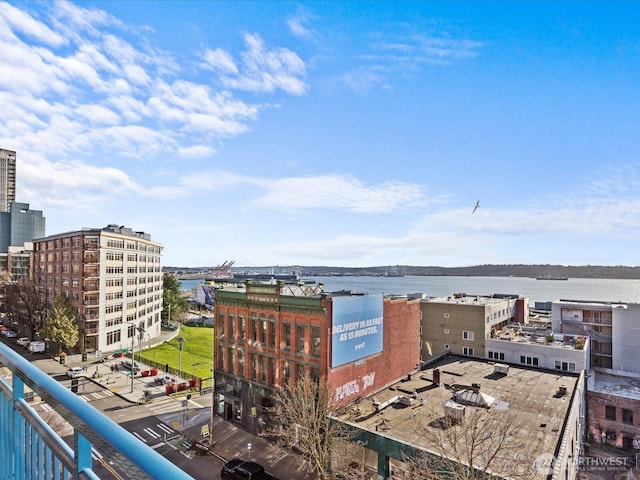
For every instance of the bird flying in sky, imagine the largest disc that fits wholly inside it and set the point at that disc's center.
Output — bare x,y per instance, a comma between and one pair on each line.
476,207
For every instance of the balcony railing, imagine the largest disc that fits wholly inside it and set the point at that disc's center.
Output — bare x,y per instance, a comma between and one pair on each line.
30,449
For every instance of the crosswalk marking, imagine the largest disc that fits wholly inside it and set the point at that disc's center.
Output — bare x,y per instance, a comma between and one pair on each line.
139,437
157,445
151,432
166,429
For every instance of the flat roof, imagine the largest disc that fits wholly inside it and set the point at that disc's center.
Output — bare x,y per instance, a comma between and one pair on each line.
532,396
471,299
618,385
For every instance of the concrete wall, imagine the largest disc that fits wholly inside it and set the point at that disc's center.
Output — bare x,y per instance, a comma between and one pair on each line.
626,338
546,354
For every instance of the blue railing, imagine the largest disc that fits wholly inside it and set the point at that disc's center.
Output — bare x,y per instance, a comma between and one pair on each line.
30,449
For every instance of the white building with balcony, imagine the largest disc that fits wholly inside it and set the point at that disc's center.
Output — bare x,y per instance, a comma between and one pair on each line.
113,279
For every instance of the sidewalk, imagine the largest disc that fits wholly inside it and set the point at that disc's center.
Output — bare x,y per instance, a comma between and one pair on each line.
229,440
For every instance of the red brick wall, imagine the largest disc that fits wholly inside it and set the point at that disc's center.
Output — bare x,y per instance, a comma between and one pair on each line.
400,355
615,430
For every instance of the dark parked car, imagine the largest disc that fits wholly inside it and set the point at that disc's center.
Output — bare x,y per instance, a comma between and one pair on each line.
238,469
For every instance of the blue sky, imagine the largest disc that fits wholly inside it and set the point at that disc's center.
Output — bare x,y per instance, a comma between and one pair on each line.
332,133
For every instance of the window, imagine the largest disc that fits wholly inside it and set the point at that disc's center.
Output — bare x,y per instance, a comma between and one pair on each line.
221,324
272,331
300,336
627,416
467,351
496,355
253,325
610,412
566,366
528,360
315,338
113,337
466,335
243,327
232,326
286,332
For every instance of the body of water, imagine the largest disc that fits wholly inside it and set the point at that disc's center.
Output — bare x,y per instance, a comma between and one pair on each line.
608,290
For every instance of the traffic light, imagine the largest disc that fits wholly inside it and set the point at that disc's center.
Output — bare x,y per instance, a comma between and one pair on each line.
74,385
84,357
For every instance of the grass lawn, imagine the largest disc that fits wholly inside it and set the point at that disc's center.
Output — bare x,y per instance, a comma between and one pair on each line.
197,354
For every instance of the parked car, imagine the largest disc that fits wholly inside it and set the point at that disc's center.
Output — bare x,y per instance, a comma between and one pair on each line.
75,372
11,334
238,469
36,347
127,364
24,341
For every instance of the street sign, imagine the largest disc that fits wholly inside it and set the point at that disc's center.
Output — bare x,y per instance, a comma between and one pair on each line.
204,431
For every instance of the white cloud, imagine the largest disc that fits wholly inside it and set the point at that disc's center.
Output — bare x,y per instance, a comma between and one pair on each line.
267,70
220,61
25,24
337,192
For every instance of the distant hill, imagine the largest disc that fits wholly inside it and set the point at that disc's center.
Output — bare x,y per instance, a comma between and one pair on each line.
516,270
585,271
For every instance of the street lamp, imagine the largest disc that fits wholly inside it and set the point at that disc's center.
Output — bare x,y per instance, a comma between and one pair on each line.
140,340
133,338
181,342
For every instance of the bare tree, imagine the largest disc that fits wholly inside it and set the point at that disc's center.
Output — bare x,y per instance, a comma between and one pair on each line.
301,418
25,302
478,446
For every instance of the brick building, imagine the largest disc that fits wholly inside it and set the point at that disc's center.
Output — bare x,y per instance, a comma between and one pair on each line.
113,279
270,333
613,403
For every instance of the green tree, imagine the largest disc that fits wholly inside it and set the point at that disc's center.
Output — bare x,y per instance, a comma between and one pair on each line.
174,303
61,325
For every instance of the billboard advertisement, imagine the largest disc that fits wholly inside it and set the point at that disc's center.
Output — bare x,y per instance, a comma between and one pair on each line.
209,295
356,330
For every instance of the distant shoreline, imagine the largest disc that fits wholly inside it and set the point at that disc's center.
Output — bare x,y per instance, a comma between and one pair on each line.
531,271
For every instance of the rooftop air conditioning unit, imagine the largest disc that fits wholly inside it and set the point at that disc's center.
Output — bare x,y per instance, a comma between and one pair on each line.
501,368
453,412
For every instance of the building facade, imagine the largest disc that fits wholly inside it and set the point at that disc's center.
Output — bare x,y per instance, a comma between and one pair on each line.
20,224
7,178
268,334
614,409
613,327
113,279
459,324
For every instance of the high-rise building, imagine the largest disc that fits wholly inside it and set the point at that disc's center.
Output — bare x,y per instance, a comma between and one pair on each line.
20,224
18,227
113,279
7,179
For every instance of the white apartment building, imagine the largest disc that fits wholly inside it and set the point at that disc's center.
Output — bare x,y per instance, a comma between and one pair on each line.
614,329
113,278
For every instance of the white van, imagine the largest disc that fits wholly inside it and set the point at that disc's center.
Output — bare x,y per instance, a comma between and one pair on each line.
36,347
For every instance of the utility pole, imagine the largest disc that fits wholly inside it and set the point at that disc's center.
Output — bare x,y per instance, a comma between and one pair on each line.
133,338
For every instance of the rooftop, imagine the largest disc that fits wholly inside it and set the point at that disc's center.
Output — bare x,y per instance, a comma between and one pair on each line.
464,298
539,336
411,409
618,385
